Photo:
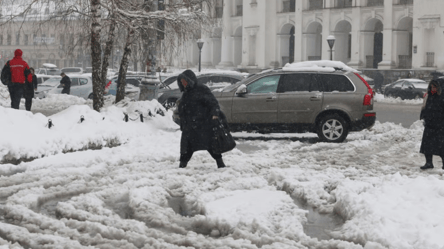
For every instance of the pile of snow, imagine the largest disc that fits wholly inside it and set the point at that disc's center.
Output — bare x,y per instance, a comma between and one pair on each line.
29,137
135,196
383,99
317,66
5,100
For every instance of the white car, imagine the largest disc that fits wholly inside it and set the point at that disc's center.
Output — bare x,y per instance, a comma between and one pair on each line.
81,86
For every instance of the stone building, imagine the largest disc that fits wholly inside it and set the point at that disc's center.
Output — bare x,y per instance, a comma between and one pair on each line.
369,34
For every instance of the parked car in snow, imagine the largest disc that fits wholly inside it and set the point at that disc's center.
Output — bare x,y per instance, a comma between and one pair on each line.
81,86
169,91
301,98
43,77
406,89
48,69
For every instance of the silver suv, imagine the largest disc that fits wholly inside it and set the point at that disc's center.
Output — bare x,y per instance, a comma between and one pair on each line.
328,103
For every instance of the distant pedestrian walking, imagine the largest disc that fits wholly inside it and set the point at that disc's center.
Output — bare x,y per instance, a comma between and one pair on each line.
16,72
433,116
30,87
199,113
66,83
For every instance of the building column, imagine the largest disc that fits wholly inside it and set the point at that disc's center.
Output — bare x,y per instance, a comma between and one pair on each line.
227,43
206,53
299,47
216,50
251,49
356,42
366,41
387,49
283,45
326,31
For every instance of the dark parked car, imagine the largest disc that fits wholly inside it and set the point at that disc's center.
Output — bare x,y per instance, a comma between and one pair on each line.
169,91
406,89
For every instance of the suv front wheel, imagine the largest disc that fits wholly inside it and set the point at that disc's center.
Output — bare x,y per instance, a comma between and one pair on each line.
332,128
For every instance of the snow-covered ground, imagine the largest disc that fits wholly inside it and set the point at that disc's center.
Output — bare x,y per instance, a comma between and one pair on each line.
133,195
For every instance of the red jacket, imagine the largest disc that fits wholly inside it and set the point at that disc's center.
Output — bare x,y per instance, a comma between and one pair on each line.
19,69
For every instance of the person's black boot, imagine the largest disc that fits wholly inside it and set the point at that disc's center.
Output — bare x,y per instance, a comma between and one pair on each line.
220,163
183,164
427,166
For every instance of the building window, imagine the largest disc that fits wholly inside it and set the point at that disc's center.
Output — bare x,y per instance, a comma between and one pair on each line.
1,40
288,6
17,39
34,41
26,41
9,40
43,39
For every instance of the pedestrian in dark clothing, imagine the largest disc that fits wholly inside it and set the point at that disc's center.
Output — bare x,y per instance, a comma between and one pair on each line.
30,87
66,83
433,116
379,81
198,112
19,75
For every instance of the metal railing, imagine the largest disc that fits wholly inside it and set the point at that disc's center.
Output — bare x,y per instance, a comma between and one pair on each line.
405,61
430,59
239,10
316,4
343,4
375,2
219,12
314,58
288,6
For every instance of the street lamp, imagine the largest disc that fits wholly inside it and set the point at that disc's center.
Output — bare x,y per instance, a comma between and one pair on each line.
331,42
200,44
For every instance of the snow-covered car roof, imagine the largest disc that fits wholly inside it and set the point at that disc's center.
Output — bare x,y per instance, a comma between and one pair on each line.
49,65
414,80
318,66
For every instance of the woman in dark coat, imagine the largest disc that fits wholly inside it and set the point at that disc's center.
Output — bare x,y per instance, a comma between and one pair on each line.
30,87
433,116
198,111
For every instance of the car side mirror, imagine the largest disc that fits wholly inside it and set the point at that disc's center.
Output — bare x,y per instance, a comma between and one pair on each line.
241,90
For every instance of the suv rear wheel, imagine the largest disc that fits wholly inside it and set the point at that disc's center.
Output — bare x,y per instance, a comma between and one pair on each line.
332,128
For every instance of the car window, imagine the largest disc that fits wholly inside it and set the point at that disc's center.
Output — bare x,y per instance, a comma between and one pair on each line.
203,79
407,84
133,82
296,83
83,81
267,84
39,80
53,72
335,83
398,85
74,81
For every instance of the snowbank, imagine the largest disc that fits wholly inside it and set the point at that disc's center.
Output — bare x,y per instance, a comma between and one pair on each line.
382,99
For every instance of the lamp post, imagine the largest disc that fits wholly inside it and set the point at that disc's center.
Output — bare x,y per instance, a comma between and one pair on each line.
331,42
200,44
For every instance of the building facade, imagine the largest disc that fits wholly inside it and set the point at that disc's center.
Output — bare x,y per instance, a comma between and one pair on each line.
369,34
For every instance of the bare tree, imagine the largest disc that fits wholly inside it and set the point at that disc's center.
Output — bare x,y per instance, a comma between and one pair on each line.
183,20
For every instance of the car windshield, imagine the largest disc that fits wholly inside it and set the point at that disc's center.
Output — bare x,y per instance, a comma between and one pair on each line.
420,84
52,82
53,71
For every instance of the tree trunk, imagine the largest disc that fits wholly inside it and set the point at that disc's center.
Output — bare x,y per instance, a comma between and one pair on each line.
107,53
96,52
124,67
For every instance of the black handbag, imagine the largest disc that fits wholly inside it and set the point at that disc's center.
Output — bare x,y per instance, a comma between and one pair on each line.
222,140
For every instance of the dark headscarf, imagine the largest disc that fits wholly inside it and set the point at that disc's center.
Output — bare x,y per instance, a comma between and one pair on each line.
190,77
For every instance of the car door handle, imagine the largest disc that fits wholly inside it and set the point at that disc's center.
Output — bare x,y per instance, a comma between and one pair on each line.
271,99
315,98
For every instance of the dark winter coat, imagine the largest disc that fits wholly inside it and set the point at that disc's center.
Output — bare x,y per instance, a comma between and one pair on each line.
196,109
29,88
66,82
433,116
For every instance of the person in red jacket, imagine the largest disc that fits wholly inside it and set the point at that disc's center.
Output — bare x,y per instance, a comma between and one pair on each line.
20,73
